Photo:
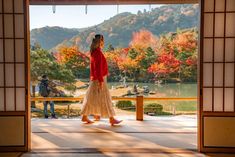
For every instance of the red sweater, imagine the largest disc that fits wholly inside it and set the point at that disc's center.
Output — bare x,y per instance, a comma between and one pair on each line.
98,65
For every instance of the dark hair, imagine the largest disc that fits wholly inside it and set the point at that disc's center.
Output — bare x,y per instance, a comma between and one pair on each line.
98,36
96,42
44,76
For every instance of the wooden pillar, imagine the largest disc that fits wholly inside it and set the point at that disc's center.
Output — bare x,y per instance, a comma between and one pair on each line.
33,94
140,108
68,114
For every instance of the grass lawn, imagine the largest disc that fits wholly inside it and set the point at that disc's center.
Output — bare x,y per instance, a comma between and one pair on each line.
61,110
177,107
169,108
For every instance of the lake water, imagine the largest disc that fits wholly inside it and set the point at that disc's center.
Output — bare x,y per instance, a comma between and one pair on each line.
170,90
166,90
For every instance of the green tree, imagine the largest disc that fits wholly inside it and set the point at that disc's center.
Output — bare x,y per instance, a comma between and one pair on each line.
149,59
42,62
132,53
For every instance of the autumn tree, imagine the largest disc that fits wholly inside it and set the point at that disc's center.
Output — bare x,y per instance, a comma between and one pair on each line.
112,58
73,59
185,45
177,56
143,39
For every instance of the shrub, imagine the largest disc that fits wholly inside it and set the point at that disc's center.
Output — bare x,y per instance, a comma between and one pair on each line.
71,87
153,108
124,105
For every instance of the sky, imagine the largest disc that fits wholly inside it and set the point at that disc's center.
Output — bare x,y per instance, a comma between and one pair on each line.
74,16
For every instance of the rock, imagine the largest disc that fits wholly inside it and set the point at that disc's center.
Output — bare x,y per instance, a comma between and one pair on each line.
121,86
83,86
146,89
135,88
151,114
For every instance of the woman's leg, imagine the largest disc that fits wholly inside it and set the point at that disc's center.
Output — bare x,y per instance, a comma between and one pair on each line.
114,121
97,117
86,119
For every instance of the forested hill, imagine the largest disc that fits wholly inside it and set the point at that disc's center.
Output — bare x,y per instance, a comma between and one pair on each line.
49,37
118,29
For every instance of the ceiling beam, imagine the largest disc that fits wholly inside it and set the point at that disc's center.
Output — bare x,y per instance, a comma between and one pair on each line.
108,2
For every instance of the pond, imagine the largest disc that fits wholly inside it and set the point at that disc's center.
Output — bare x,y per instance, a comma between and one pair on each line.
166,90
163,90
169,90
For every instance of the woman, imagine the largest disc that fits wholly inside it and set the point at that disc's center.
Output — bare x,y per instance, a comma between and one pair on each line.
98,101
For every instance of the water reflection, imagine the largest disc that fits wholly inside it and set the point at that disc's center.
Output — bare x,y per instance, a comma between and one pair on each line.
165,90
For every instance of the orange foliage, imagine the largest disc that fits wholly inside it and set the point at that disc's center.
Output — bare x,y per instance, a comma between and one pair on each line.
167,63
127,64
143,39
67,54
186,41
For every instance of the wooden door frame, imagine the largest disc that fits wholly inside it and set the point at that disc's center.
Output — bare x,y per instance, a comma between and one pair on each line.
28,120
69,2
26,39
201,113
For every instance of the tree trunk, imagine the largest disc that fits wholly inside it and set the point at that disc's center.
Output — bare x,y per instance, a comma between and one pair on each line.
33,105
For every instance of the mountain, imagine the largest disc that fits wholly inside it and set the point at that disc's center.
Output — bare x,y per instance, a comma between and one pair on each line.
118,30
49,37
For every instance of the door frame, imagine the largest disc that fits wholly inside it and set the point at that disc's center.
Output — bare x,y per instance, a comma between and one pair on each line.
79,2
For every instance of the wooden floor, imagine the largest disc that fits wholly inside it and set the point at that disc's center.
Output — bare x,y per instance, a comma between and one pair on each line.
151,137
164,136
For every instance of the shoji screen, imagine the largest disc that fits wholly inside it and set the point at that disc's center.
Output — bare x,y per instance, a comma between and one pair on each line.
217,68
13,74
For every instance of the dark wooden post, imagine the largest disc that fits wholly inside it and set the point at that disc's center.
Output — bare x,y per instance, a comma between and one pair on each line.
140,108
33,105
68,115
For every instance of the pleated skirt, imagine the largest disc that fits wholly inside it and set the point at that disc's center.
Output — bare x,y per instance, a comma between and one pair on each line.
98,102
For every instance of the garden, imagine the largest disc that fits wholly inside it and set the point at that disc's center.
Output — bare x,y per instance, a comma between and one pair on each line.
152,66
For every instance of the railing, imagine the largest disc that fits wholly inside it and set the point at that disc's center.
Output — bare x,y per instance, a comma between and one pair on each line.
139,101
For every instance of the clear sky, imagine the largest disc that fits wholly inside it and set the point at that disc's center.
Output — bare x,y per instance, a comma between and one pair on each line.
74,16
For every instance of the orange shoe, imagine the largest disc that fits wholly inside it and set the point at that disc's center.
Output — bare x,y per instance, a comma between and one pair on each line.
86,120
114,121
97,117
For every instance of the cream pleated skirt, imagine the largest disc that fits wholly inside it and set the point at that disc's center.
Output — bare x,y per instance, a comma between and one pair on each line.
98,102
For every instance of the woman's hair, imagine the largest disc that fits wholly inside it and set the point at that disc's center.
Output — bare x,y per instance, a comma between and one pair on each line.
96,42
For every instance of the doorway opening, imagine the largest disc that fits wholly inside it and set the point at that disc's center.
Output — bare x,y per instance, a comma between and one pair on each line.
152,52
